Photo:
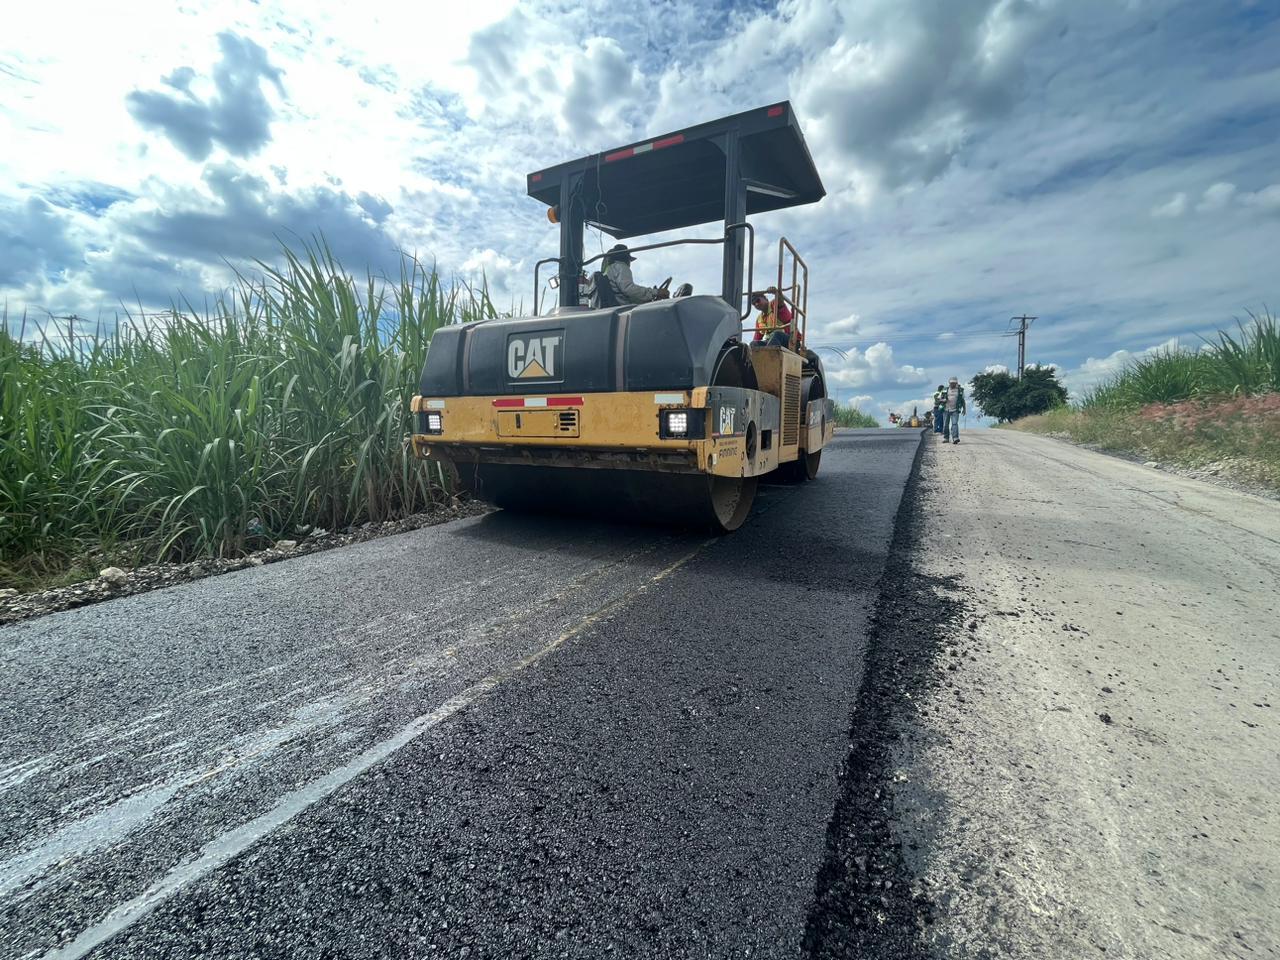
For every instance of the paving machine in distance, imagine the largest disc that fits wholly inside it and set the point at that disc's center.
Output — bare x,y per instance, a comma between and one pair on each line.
915,420
657,411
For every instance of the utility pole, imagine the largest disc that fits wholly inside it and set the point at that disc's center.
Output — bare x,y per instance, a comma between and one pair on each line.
1024,322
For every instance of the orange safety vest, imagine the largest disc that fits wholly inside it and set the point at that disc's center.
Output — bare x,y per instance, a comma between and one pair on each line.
768,321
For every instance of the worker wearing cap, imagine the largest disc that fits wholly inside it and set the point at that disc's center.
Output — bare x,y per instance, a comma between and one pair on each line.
773,326
953,404
617,268
939,408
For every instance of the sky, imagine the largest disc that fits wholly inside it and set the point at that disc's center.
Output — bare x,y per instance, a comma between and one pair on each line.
1107,166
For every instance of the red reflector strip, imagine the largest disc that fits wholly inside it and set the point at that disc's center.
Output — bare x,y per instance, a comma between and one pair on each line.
536,177
539,402
775,111
644,148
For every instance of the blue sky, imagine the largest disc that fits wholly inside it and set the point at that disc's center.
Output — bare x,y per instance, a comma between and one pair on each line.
1107,166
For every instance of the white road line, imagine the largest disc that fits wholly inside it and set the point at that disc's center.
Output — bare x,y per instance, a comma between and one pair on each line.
224,848
94,832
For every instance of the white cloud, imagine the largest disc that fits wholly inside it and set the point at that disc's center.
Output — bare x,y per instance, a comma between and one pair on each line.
237,115
845,326
602,86
1216,197
874,367
1266,199
1175,207
900,87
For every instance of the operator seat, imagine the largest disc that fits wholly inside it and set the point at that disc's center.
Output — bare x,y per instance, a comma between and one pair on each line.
602,292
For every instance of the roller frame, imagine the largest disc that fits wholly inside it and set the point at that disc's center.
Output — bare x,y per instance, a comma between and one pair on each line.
616,431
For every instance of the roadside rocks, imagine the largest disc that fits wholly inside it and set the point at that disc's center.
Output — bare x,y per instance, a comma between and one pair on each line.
113,577
114,581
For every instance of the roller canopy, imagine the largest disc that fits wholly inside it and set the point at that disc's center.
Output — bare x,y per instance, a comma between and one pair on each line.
678,179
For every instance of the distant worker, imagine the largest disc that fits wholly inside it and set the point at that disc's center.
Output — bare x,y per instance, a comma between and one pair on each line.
953,406
939,408
773,326
617,269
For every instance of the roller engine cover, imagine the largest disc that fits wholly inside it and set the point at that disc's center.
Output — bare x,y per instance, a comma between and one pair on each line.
664,345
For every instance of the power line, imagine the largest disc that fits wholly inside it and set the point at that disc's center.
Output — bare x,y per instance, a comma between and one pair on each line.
970,335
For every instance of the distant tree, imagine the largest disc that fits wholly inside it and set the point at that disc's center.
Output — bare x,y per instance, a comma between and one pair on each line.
990,389
1002,396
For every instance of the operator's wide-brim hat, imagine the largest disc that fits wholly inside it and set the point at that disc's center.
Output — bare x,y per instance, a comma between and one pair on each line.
619,251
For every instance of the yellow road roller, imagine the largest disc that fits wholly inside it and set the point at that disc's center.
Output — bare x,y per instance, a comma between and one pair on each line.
652,411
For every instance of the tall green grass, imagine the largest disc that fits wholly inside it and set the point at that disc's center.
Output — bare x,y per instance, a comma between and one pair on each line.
848,415
1243,363
210,433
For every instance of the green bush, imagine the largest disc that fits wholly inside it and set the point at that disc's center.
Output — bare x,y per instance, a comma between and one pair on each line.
212,433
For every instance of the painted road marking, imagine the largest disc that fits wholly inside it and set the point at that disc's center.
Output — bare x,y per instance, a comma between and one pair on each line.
231,844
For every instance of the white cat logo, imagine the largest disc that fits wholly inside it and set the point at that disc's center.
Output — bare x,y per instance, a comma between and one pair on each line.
726,419
534,357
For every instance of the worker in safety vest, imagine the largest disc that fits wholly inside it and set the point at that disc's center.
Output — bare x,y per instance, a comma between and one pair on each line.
773,326
953,407
939,408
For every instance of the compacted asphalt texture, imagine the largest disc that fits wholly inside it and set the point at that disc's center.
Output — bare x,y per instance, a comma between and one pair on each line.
505,736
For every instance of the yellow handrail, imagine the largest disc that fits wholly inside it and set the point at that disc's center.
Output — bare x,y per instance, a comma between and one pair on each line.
799,288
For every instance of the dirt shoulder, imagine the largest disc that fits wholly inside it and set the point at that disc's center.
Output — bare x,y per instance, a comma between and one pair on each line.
1095,770
1233,442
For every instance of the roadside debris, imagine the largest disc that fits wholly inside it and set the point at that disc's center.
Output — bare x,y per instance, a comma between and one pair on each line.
113,577
113,582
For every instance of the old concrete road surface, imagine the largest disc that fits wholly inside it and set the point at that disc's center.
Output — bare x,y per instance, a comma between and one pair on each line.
504,736
1097,773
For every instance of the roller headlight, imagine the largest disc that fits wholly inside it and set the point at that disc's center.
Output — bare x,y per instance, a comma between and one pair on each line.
682,424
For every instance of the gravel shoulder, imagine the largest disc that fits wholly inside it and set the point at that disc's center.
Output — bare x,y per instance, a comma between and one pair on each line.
1094,768
16,606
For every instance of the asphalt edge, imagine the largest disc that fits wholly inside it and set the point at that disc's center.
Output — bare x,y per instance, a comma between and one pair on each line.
867,903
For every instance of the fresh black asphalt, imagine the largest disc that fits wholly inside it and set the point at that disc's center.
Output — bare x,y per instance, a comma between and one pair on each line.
505,736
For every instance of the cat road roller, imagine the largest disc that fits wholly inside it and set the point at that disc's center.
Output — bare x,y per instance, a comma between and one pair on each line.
656,411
